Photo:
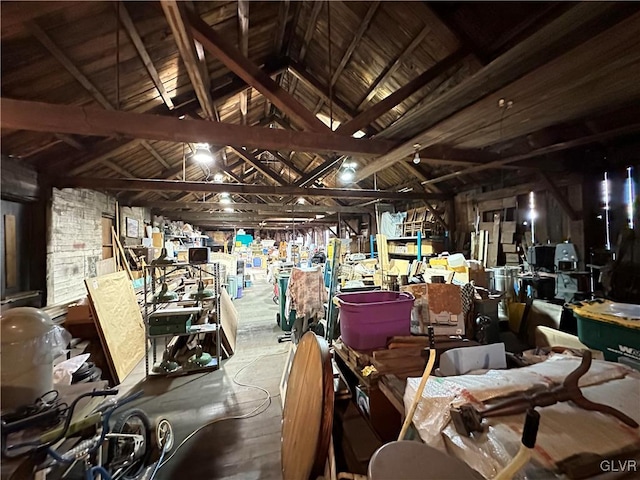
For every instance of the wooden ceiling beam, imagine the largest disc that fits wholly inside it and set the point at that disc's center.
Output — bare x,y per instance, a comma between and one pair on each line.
14,14
126,184
355,41
154,153
175,13
48,43
556,147
286,162
135,38
72,142
235,216
66,62
308,35
271,207
319,171
252,74
301,73
283,17
386,74
243,36
258,165
96,158
43,117
571,29
311,28
368,116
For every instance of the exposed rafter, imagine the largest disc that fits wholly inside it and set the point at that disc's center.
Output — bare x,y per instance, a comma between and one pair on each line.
308,35
16,13
126,184
283,17
154,153
355,41
259,207
66,62
96,158
258,165
243,36
556,147
391,69
175,12
299,71
560,36
43,117
375,111
252,74
131,30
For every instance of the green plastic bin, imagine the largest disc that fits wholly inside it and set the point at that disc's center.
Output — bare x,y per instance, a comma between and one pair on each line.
612,328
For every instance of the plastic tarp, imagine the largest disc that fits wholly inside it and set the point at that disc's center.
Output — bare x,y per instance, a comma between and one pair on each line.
564,430
391,224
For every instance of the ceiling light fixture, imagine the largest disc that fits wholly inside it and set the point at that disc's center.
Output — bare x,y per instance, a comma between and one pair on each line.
203,153
301,201
229,209
348,171
416,157
218,177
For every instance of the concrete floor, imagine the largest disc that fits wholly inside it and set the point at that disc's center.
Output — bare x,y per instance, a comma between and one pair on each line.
244,449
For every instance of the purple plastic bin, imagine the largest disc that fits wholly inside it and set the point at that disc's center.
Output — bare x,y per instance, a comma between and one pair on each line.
368,319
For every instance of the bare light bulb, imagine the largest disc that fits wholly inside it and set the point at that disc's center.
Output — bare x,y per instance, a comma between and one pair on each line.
347,175
416,158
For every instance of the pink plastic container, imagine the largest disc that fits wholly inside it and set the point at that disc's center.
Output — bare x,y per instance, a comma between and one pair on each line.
368,319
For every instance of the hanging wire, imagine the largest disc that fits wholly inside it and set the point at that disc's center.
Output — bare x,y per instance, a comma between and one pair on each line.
117,55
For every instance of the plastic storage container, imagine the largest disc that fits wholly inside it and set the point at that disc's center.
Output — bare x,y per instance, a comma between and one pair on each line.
368,319
29,344
613,328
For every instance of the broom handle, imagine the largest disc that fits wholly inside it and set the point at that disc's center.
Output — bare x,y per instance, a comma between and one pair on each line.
414,404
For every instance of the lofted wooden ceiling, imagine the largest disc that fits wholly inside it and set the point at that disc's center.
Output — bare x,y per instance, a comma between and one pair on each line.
114,95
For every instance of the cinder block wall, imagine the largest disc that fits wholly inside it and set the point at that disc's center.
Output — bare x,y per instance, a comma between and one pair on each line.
74,241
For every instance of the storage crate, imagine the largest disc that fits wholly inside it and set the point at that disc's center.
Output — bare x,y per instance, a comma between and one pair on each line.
612,328
367,319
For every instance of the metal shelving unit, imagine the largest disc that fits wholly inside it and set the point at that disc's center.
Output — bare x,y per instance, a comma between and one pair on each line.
209,308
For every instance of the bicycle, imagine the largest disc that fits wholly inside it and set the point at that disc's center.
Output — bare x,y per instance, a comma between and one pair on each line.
109,451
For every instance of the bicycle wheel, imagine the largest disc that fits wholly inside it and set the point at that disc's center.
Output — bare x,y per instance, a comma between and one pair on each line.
123,451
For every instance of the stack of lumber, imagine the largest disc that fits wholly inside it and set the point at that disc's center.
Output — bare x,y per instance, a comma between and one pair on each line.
403,362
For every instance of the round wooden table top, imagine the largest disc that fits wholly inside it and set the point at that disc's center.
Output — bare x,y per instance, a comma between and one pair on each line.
307,417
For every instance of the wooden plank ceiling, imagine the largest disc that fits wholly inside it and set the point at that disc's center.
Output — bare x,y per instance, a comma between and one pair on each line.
483,92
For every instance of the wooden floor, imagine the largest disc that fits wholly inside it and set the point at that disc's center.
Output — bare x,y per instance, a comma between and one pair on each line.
244,449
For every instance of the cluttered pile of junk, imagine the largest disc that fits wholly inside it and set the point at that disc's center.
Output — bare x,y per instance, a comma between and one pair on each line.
456,371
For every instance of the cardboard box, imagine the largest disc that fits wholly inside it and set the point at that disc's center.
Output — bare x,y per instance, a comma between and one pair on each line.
444,304
479,277
79,313
438,305
79,321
